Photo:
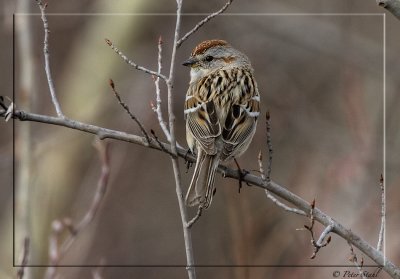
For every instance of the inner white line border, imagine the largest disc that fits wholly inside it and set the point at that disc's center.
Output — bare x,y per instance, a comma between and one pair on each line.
383,15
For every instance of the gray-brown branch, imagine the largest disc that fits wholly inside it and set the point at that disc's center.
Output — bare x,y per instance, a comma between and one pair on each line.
273,187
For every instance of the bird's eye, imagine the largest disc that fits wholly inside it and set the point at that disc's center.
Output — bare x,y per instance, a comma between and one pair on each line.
209,58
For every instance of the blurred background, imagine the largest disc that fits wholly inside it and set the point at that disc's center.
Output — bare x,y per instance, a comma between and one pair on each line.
320,76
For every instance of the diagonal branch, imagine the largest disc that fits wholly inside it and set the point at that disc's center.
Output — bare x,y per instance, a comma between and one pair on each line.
133,64
275,188
126,108
201,23
47,58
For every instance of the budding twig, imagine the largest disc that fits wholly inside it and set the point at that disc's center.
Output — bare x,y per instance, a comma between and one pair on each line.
157,108
267,178
318,244
47,58
126,108
160,144
201,23
133,64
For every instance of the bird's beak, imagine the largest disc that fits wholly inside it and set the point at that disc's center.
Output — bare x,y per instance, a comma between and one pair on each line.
190,62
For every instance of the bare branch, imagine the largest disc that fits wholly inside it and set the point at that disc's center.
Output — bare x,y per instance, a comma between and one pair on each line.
160,144
24,260
201,23
157,108
275,188
392,6
175,163
126,108
133,64
381,237
47,58
318,244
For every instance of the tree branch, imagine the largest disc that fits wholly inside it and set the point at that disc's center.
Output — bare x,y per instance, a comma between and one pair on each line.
201,23
175,163
47,58
133,64
128,111
275,188
157,108
392,6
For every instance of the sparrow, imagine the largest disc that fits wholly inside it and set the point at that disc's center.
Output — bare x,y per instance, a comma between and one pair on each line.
222,105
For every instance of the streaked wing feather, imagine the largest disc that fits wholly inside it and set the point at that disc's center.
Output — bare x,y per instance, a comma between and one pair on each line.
204,125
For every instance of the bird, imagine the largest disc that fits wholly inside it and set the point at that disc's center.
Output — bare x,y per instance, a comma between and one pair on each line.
221,108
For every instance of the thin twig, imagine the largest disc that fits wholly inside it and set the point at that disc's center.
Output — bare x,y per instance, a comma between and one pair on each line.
24,260
318,244
47,58
160,144
277,189
381,238
126,108
133,64
201,23
354,260
157,108
267,177
271,197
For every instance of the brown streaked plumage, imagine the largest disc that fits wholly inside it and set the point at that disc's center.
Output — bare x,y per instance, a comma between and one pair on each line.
221,109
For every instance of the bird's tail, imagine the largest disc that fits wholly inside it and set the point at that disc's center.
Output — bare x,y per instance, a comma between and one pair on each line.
201,189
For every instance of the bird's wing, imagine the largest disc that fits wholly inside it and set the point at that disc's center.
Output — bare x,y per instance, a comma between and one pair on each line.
202,119
241,120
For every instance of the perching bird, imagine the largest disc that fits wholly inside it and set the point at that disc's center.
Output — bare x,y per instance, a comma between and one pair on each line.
221,109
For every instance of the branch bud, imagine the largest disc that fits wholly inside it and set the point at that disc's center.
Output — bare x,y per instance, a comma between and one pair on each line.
111,82
108,42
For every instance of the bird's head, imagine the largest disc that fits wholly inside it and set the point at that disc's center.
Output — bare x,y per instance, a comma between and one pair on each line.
212,55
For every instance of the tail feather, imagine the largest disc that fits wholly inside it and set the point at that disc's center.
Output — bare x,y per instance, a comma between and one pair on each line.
201,187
